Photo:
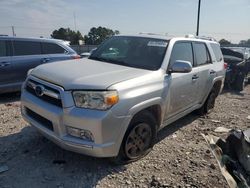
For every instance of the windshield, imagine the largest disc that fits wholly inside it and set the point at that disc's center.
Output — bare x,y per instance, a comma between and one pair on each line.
139,52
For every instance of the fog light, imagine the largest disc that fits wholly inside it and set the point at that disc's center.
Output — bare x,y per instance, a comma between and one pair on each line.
80,133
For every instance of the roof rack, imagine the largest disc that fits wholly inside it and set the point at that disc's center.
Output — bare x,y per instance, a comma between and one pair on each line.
201,37
206,38
145,33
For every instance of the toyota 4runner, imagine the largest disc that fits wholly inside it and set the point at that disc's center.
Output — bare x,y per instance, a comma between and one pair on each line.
114,103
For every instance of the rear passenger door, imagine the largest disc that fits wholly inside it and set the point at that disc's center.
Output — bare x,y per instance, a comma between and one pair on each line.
204,68
55,51
27,55
183,86
5,62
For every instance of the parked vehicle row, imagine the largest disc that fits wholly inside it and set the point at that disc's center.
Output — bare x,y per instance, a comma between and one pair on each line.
113,103
18,55
238,67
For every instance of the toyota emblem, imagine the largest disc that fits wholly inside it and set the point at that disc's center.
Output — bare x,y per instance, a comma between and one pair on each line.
39,90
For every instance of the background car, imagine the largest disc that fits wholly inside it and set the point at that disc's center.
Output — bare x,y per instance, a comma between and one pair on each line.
18,55
238,67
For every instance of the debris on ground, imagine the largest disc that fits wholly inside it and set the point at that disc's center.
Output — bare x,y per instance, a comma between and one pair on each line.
222,130
215,121
233,156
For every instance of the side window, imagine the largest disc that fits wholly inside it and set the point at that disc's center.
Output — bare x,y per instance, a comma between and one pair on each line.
201,53
182,51
26,48
3,48
52,48
217,52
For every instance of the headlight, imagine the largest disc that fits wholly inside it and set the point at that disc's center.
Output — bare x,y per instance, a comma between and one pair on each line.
99,100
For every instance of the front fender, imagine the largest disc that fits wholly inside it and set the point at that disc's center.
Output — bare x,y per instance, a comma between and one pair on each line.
143,105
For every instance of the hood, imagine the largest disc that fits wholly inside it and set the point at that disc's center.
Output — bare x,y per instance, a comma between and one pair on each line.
85,74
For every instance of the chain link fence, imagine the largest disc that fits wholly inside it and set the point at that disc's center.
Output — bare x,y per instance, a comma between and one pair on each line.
83,48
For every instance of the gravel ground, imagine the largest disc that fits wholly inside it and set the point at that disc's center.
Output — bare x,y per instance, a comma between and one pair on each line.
181,158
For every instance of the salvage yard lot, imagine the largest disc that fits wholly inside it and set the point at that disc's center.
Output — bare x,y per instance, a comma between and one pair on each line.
181,157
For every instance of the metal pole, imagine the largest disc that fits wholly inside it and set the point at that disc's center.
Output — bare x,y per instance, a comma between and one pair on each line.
75,21
13,31
198,19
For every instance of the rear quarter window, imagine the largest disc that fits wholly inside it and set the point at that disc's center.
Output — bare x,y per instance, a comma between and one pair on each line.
27,48
217,52
52,48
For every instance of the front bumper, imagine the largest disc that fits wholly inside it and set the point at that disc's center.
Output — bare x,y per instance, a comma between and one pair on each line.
107,130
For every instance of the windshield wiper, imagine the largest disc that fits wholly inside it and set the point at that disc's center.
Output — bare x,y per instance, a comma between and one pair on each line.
119,62
98,58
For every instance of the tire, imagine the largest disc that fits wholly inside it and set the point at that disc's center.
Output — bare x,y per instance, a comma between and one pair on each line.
209,104
139,139
239,83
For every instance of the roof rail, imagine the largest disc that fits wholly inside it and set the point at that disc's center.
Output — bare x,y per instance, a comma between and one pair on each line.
201,37
206,38
145,33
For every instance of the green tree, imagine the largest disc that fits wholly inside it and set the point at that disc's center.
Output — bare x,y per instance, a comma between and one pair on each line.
97,35
244,42
224,42
67,34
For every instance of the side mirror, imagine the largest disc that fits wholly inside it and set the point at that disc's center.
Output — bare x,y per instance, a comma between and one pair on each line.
180,66
91,51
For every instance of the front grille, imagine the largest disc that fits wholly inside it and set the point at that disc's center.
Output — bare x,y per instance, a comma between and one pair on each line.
43,121
49,99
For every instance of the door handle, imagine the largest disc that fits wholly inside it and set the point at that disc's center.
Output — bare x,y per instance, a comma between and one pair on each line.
45,60
4,64
212,72
195,77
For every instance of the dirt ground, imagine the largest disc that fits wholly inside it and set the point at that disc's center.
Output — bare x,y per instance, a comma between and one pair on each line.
181,158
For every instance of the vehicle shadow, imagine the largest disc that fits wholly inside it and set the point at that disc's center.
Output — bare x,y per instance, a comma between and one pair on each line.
173,127
41,163
9,97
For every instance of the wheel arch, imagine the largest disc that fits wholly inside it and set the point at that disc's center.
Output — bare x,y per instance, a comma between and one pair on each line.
153,106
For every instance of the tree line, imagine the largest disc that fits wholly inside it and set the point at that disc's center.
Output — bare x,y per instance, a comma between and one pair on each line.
95,36
243,43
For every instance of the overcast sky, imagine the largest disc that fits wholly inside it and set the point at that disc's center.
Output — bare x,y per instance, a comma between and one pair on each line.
219,18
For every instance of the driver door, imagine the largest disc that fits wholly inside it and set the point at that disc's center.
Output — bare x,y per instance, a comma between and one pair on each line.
183,86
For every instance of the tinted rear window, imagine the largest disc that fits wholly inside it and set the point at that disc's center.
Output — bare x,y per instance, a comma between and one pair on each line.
52,48
217,52
3,49
27,48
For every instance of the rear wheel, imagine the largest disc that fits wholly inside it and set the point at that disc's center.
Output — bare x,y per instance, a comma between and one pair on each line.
209,104
138,140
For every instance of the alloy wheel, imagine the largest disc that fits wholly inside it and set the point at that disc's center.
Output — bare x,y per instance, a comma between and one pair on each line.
138,140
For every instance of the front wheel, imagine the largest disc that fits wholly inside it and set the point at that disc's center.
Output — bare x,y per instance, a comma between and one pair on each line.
138,140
